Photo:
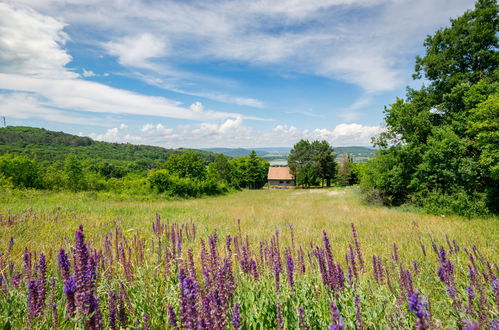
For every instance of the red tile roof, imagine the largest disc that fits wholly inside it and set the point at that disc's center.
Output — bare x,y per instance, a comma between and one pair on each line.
280,173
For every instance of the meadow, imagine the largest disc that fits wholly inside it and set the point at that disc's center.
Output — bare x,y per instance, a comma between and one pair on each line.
254,259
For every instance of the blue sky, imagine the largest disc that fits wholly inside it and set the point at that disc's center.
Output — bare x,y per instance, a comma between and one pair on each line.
240,73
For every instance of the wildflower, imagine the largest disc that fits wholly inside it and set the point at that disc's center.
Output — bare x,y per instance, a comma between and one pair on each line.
357,247
69,291
279,320
236,317
290,266
64,264
301,318
113,313
172,317
188,308
358,313
417,305
336,319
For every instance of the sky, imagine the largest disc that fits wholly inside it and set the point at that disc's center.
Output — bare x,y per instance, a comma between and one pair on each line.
200,74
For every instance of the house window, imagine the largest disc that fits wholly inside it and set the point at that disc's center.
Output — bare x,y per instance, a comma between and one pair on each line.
281,182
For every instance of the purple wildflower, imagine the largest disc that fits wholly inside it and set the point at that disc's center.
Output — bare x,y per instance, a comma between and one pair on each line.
69,291
146,322
357,247
417,305
64,264
469,325
188,306
172,317
83,286
33,300
290,266
301,318
42,281
236,317
471,295
122,310
55,321
358,313
336,319
279,320
113,312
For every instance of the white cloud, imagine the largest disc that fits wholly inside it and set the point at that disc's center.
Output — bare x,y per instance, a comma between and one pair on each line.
137,50
32,62
93,97
232,133
357,41
28,105
31,43
88,73
123,126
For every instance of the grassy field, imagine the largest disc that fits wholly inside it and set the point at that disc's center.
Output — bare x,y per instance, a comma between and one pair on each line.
261,212
46,221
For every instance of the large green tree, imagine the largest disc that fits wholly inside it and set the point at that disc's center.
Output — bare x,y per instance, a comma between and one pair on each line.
311,162
441,143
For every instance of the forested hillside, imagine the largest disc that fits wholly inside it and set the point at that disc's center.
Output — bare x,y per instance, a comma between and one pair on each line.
50,146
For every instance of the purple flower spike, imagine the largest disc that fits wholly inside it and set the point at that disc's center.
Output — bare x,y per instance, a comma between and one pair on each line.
290,266
279,320
69,291
417,305
64,264
172,317
357,246
113,312
336,319
236,317
301,318
358,313
188,306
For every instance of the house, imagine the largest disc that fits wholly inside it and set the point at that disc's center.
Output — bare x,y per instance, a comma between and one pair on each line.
280,177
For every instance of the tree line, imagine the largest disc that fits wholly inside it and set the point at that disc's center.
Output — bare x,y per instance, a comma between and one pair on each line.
183,175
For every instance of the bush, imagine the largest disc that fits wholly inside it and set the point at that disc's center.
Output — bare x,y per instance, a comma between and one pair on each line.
459,202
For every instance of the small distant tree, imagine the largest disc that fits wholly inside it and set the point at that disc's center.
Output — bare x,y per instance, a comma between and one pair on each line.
344,176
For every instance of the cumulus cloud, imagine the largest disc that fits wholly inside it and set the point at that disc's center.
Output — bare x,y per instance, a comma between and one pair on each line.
31,43
137,50
233,133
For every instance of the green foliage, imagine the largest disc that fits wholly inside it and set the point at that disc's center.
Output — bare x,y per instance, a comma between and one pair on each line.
162,181
48,147
311,161
440,148
187,165
20,171
249,172
73,171
220,170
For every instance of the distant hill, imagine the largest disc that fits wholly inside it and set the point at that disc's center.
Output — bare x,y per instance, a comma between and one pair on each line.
49,146
359,154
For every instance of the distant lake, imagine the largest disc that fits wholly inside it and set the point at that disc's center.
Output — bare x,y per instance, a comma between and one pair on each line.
279,162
